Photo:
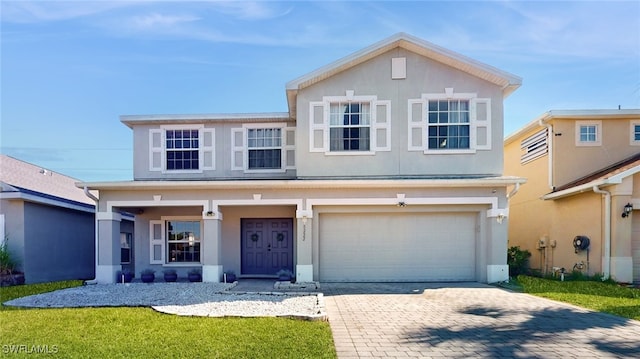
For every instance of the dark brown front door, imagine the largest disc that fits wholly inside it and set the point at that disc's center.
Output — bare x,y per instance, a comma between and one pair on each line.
267,245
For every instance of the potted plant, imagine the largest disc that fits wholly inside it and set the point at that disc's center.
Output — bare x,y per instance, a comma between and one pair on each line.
195,275
147,275
125,276
284,275
229,276
170,275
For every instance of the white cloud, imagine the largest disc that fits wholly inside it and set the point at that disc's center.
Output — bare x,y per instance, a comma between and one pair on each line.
250,10
46,11
156,20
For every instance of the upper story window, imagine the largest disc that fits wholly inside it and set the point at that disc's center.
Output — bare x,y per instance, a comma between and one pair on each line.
449,123
264,148
349,126
635,133
588,133
188,148
182,149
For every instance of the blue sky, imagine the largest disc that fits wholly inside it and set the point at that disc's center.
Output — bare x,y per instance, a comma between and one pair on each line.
70,69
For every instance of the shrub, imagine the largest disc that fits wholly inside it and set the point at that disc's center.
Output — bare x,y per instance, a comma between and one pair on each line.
518,260
7,263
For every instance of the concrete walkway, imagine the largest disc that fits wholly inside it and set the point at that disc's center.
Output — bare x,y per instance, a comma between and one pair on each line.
468,320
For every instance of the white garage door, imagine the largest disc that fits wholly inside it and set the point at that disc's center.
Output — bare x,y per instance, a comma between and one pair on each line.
369,247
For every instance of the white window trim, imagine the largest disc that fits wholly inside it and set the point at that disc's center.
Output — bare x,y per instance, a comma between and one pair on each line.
374,125
163,149
474,123
632,140
164,220
597,142
284,147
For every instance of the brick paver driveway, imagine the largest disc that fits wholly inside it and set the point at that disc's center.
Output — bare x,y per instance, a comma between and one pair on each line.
469,320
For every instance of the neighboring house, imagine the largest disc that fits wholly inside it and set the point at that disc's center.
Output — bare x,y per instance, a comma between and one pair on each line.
49,222
582,169
388,166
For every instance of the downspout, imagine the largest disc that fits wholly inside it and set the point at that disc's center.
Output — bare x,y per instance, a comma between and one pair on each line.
606,258
549,127
95,235
513,191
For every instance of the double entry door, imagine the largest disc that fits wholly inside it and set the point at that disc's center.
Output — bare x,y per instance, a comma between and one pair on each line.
267,245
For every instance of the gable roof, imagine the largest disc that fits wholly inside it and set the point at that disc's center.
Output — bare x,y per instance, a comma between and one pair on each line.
24,179
612,174
508,82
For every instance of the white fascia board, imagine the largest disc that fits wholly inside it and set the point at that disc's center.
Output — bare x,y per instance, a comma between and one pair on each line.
570,115
316,183
131,120
587,187
46,201
412,43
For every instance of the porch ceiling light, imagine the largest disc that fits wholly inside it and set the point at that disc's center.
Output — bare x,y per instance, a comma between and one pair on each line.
626,211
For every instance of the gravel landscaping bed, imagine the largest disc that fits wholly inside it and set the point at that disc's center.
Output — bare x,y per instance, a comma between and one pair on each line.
189,299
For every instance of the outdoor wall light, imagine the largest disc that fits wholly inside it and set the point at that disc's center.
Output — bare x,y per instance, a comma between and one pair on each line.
626,211
402,204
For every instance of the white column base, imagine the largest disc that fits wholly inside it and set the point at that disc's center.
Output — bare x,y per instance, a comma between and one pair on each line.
304,273
106,274
497,273
211,273
622,269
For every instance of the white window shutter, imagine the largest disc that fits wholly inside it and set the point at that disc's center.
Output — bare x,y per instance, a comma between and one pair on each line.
318,127
481,123
381,134
156,242
237,149
289,147
207,146
156,153
417,127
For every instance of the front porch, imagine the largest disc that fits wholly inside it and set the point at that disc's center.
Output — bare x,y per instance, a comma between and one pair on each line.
252,239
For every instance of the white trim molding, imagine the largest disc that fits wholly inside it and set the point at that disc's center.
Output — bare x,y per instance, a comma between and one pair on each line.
632,133
598,133
418,124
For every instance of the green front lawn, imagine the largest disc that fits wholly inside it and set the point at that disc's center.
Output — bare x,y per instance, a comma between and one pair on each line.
599,296
144,333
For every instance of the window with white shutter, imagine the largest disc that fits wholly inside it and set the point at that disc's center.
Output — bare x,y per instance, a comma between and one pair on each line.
349,125
449,123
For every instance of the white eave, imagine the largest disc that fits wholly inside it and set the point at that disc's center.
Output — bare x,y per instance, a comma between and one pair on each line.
588,187
571,115
507,81
298,184
131,120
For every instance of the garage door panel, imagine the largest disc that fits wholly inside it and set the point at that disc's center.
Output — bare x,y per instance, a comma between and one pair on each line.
397,247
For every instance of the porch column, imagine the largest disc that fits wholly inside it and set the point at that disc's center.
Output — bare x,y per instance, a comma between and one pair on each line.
621,250
496,247
304,254
212,247
108,247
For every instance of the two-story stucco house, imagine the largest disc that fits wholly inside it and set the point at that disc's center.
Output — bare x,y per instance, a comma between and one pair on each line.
388,166
583,182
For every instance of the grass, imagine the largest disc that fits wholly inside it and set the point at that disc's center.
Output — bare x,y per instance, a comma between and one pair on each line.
600,296
144,333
